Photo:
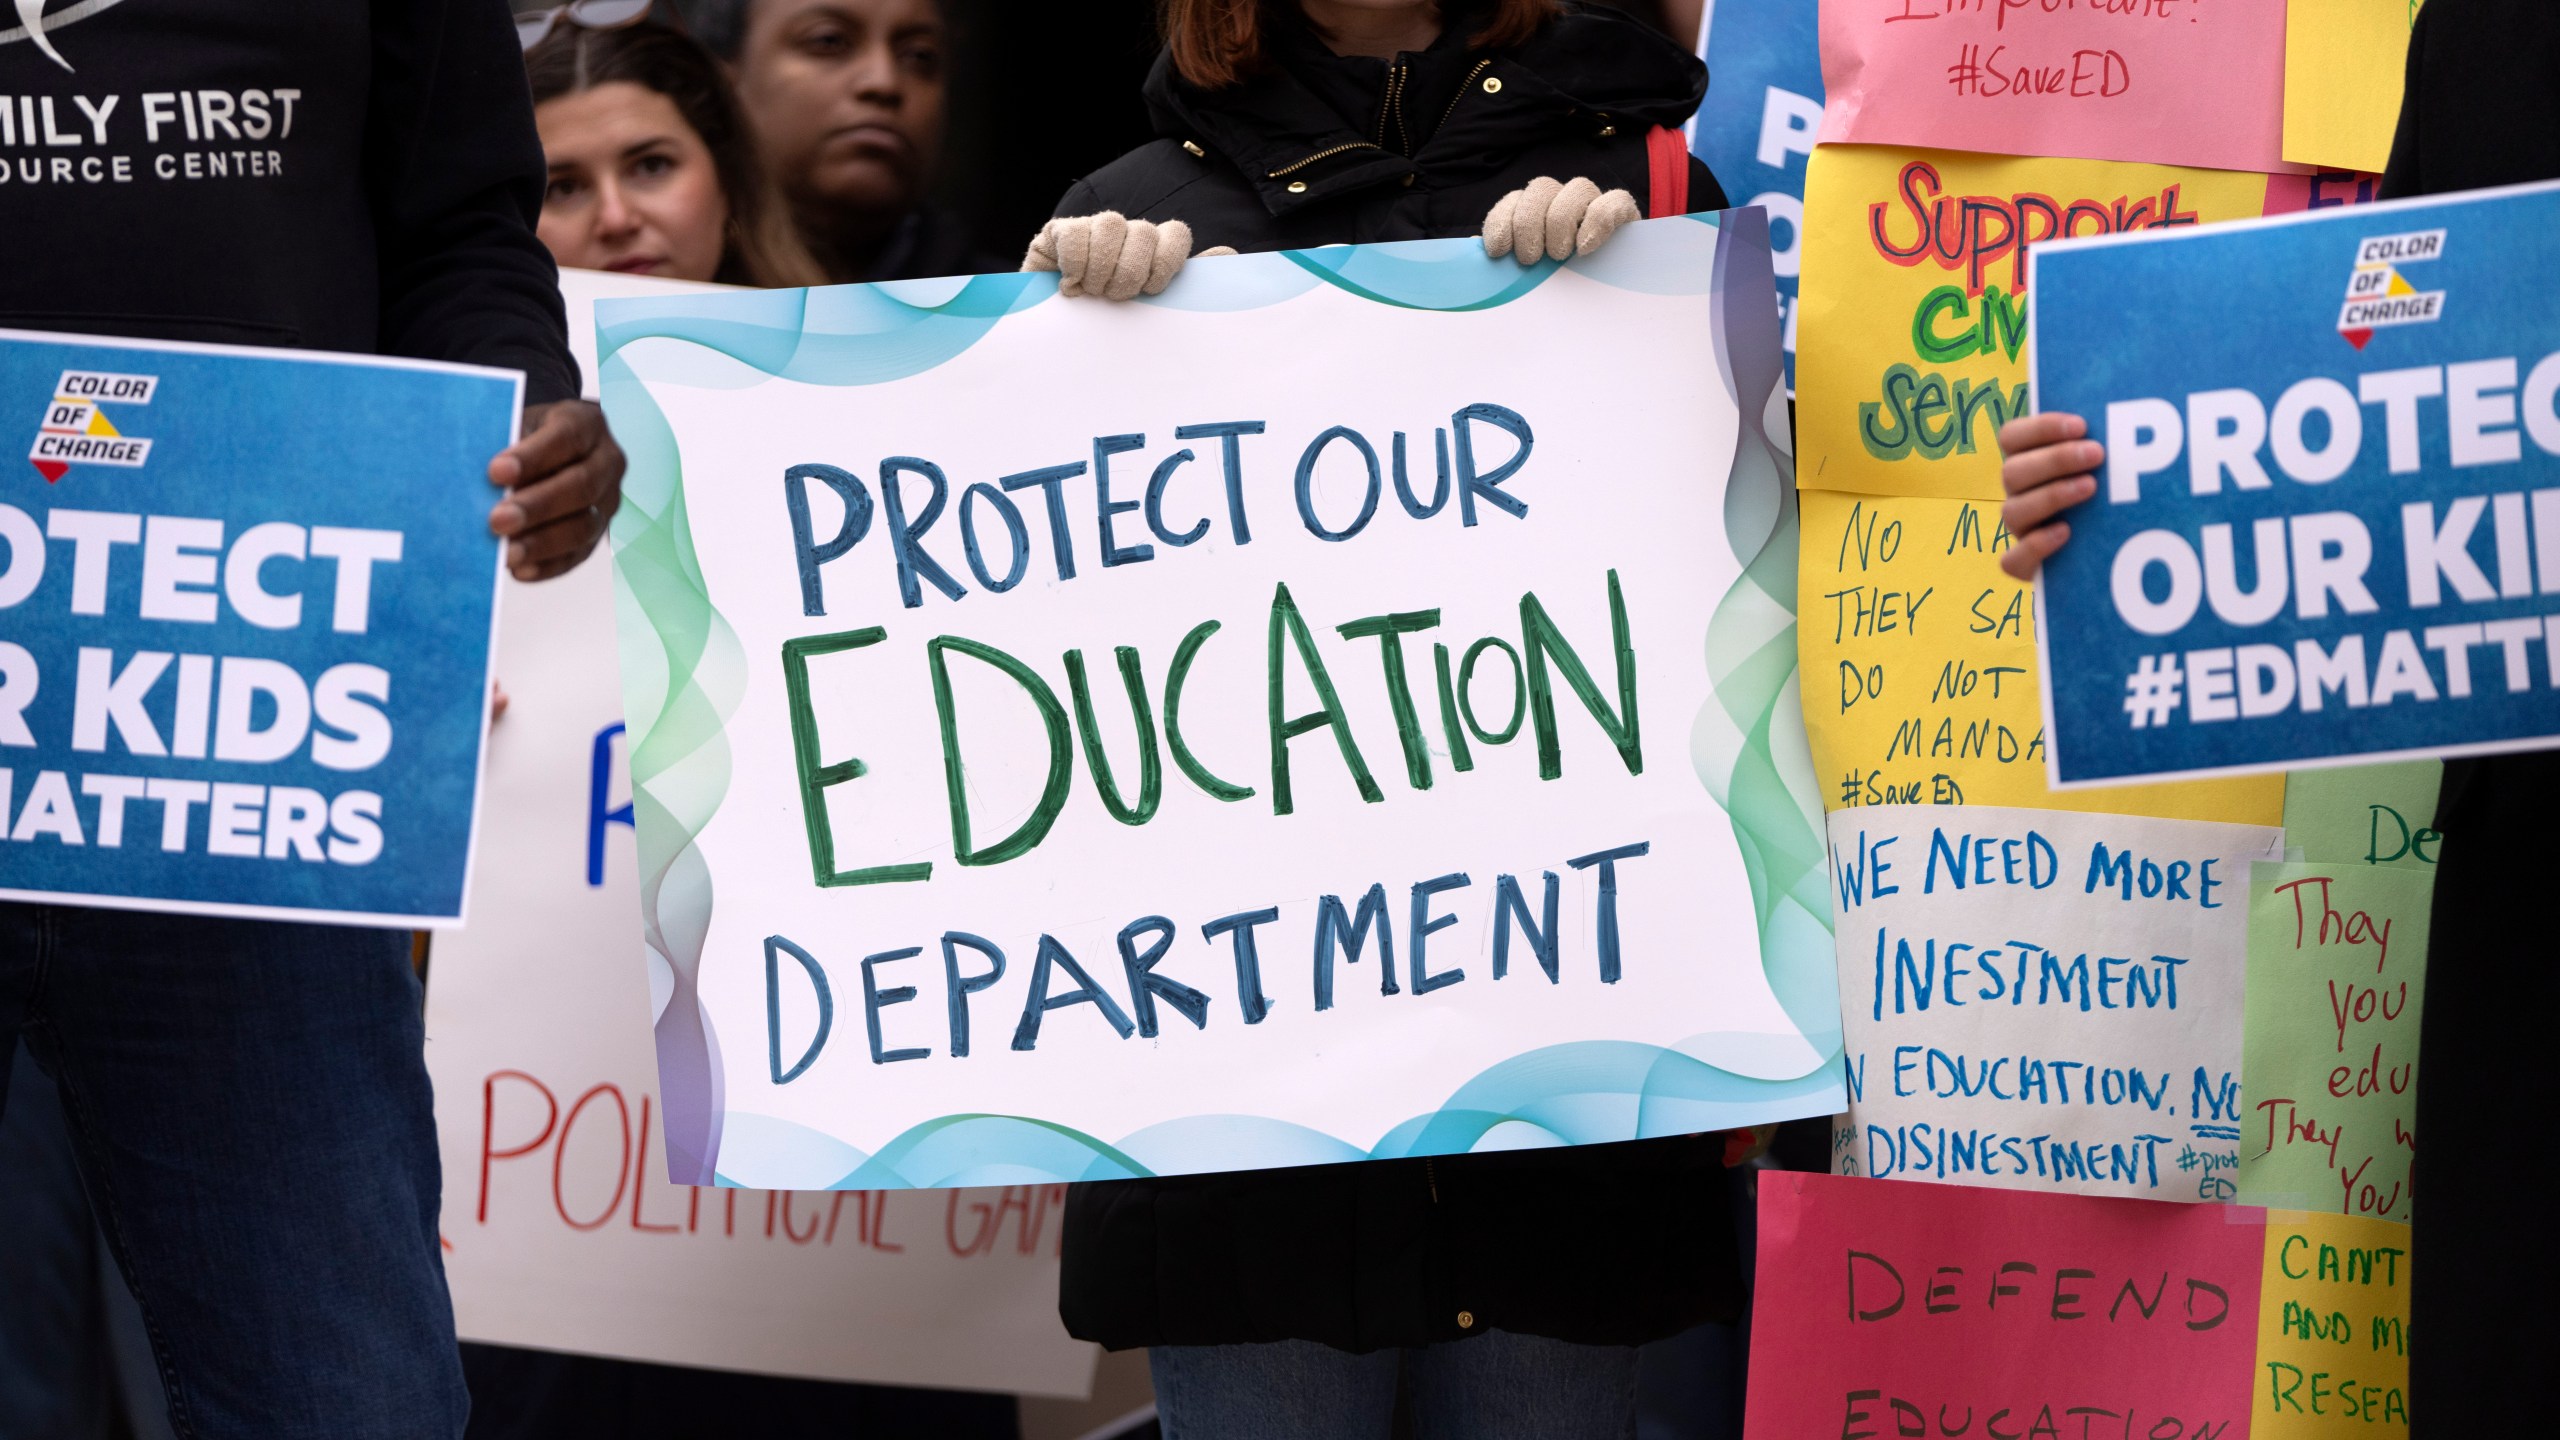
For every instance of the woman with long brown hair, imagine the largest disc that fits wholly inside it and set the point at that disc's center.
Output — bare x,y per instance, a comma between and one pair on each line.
1510,1290
653,169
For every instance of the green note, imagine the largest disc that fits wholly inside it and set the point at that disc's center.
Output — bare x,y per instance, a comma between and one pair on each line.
2329,1048
2365,814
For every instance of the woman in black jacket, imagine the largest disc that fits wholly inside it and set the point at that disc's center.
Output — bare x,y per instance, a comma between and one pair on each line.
1282,1303
1288,124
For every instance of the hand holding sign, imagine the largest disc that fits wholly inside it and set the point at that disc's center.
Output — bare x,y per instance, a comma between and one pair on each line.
2328,531
1229,768
2047,469
564,480
247,648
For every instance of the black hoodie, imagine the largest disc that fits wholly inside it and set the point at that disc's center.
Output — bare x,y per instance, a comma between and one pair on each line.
326,174
1326,149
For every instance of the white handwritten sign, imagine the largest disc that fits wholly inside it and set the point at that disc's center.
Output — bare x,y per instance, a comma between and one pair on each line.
561,1230
2043,1000
1075,742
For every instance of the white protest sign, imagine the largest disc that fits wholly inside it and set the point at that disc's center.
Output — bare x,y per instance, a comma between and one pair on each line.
561,1229
581,289
1340,708
2043,1000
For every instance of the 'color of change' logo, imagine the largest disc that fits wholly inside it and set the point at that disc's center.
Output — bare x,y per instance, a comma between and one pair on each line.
75,432
2377,295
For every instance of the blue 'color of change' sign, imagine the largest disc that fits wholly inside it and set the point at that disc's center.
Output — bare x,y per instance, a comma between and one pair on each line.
2328,527
245,608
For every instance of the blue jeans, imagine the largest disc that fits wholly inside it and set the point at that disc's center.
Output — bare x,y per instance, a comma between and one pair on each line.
1492,1387
248,1104
74,1359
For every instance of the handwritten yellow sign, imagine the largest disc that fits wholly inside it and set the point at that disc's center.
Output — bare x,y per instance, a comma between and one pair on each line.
2343,65
1918,659
1913,306
2333,1328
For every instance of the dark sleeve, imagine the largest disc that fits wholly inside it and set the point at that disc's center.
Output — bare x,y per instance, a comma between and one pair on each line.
2404,176
1080,199
454,174
1704,193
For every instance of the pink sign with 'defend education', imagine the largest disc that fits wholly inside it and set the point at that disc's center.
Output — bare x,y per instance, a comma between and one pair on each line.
1888,1309
2168,82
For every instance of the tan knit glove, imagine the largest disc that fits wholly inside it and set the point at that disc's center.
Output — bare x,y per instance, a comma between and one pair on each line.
1111,256
1555,220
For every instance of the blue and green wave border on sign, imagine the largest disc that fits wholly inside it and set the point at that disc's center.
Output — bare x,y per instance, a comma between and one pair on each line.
684,674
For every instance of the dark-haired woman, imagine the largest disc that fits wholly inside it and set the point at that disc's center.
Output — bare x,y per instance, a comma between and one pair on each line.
1512,1289
848,97
653,170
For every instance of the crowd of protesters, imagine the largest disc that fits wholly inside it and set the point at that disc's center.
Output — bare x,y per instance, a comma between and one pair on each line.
153,1282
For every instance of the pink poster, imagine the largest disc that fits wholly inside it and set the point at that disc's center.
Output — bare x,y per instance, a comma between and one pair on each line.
1894,1309
2169,82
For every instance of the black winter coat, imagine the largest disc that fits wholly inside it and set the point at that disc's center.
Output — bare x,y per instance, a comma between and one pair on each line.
1327,149
2482,108
1615,1244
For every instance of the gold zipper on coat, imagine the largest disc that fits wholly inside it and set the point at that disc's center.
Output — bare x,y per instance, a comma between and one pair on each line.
1463,87
1431,1178
1294,167
1395,103
1395,106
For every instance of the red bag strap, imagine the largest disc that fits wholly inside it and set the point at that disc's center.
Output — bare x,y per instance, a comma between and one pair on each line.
1667,151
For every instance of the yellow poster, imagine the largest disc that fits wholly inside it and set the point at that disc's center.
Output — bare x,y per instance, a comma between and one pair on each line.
1912,329
2343,65
2333,1328
1919,657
